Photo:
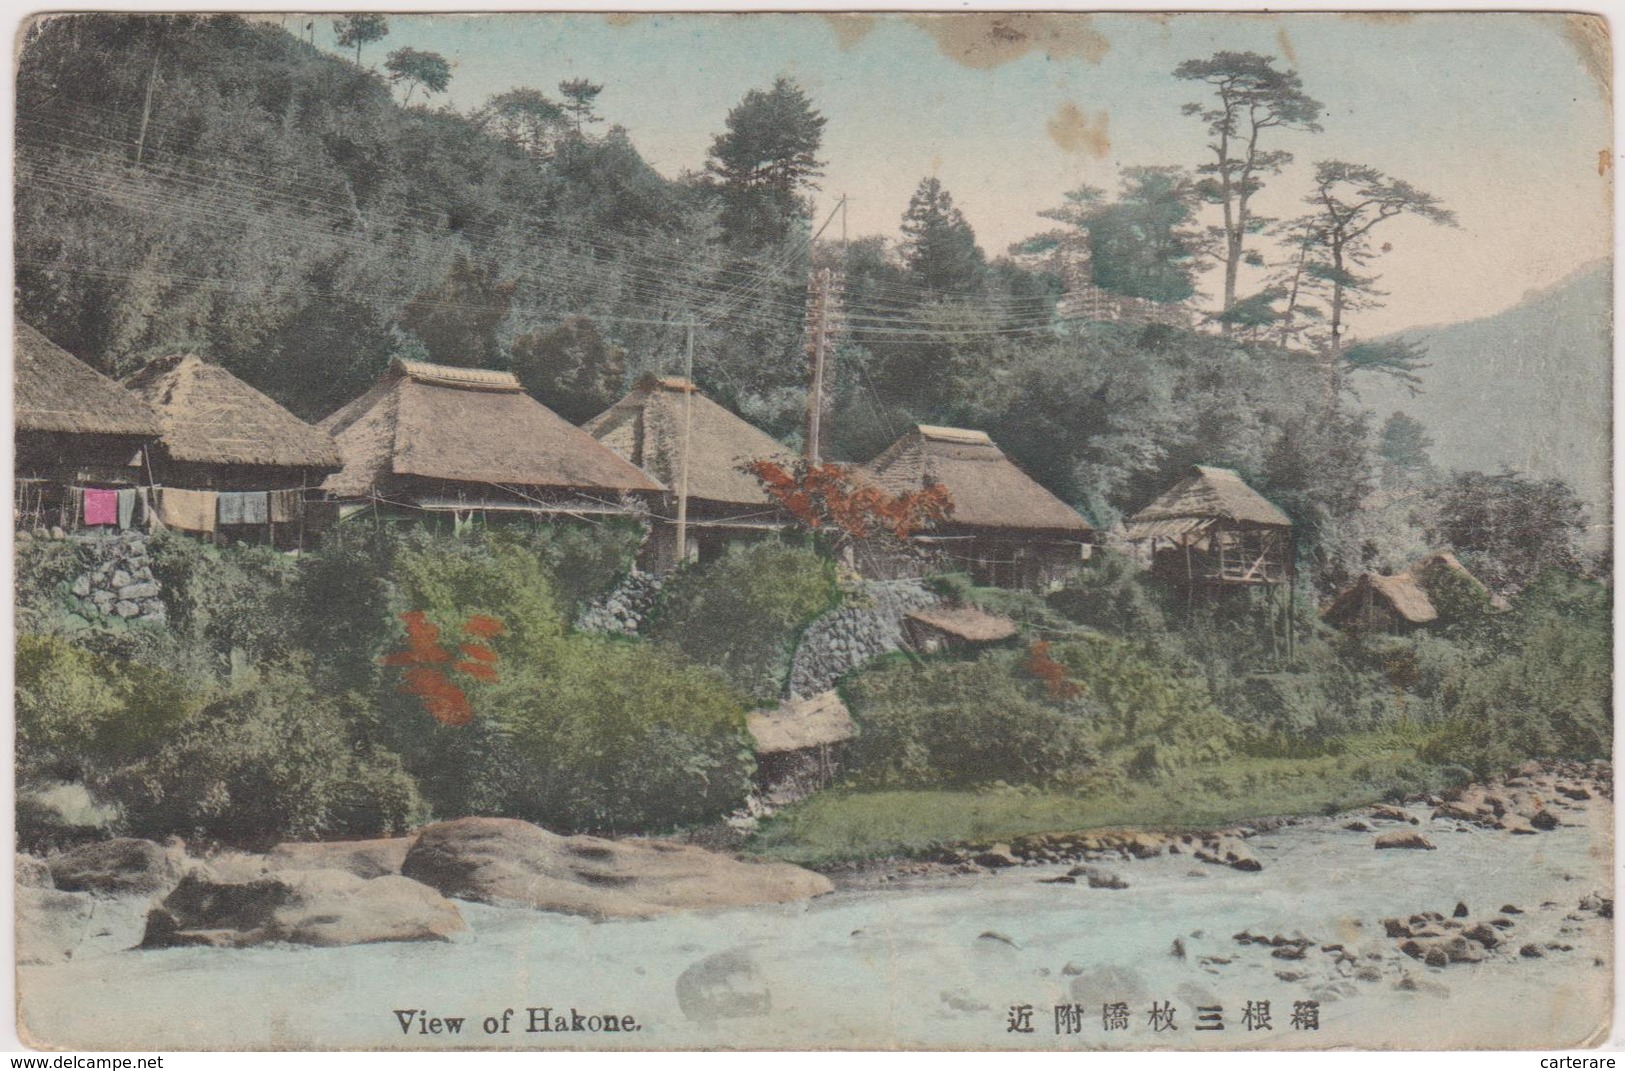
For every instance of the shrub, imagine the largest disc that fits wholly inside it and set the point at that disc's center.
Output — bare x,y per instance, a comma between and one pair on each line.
234,604
42,570
267,762
621,736
744,612
1113,593
944,723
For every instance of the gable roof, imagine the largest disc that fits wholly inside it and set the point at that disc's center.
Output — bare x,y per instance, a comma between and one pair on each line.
987,489
967,623
799,723
1206,494
467,426
209,416
646,428
54,391
1405,592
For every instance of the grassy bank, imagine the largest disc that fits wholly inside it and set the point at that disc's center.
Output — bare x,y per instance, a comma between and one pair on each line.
846,824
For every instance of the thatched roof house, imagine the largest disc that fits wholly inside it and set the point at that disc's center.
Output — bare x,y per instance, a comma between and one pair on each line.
798,745
647,428
219,432
1004,526
441,438
1212,528
74,426
956,628
1403,601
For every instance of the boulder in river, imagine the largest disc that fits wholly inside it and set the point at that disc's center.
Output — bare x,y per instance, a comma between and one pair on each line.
117,866
363,858
727,985
51,924
1400,838
504,860
308,907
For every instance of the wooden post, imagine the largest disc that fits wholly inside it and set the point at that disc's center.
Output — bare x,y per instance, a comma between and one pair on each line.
822,284
682,466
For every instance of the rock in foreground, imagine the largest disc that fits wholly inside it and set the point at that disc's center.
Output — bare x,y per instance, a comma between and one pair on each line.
117,866
311,907
504,860
363,858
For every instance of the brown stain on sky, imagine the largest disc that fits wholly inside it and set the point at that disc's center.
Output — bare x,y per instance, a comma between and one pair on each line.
1284,42
1075,130
1588,36
985,40
849,27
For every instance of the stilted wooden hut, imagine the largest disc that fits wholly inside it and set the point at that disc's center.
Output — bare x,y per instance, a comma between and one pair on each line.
230,460
1210,530
1005,528
665,421
467,442
76,429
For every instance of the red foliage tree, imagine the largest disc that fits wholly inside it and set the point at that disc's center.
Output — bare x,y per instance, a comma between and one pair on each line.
1041,664
831,497
423,659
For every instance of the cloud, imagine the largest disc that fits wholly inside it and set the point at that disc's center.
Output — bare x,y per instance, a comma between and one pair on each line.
984,40
1074,130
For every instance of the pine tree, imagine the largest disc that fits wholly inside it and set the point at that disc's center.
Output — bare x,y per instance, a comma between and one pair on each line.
939,248
766,162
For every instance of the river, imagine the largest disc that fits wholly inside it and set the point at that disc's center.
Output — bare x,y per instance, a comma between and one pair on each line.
936,963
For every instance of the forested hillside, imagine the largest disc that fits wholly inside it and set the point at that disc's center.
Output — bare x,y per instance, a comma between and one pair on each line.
218,185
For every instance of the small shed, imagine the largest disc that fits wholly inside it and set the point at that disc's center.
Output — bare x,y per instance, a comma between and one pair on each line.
1005,528
470,441
1401,602
665,418
1212,530
962,628
74,429
230,460
798,745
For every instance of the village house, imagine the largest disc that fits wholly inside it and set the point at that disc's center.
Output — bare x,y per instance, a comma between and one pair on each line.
77,433
469,442
1211,530
1405,601
799,745
956,630
688,442
230,463
1005,528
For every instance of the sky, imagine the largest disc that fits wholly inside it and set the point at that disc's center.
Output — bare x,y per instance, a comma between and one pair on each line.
1503,116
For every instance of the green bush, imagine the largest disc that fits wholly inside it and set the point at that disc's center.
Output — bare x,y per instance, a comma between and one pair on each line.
271,761
235,605
744,612
78,712
1112,593
620,736
948,723
42,570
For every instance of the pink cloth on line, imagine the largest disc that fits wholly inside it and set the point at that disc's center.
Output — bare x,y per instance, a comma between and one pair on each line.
101,507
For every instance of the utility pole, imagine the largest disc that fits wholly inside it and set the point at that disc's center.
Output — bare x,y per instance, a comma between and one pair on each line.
682,465
822,285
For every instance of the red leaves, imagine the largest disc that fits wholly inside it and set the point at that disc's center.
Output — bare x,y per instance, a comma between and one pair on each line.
1053,674
830,496
442,699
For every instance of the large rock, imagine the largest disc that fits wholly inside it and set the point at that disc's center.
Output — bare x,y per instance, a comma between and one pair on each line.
33,872
727,985
308,907
363,858
504,860
51,924
1400,838
120,865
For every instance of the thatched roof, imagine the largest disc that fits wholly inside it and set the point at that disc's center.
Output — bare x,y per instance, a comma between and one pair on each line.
1205,495
470,426
54,391
646,428
986,487
211,417
967,623
1404,593
801,723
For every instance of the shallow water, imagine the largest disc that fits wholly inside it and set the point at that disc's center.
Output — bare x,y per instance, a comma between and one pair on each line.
909,966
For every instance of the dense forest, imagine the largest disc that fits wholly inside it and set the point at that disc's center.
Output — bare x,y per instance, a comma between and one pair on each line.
218,185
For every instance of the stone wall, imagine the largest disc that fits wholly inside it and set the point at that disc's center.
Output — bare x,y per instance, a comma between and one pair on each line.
624,609
844,639
118,579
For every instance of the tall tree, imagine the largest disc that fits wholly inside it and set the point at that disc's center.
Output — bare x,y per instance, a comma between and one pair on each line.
1141,245
526,118
358,30
766,162
457,319
1404,450
579,95
1348,202
1509,527
571,369
1251,99
939,248
418,68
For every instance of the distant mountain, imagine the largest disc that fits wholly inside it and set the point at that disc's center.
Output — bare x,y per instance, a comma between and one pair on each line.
1530,388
